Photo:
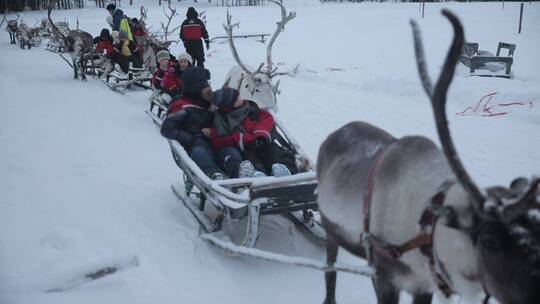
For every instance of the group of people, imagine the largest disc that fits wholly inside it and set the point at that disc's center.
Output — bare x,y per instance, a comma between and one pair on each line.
224,135
122,45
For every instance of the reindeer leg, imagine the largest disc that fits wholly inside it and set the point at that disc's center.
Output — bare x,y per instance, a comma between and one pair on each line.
83,68
424,298
385,291
75,72
330,276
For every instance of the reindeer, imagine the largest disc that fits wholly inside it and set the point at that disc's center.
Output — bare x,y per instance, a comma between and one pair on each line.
414,213
78,43
12,28
256,85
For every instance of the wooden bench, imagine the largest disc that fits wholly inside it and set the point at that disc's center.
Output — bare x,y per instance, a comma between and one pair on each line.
262,37
474,61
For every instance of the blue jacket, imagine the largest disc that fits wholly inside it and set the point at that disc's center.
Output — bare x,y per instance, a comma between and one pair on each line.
117,15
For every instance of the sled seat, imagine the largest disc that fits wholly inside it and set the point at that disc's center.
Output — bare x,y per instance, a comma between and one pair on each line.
474,59
261,36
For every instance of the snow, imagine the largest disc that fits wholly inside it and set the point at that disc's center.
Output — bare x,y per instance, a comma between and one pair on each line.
85,177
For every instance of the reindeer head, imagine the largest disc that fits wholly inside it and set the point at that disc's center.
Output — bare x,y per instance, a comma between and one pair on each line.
257,85
504,228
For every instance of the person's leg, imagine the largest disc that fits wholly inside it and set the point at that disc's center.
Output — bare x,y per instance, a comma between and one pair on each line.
251,154
273,154
229,159
203,157
199,53
123,62
190,49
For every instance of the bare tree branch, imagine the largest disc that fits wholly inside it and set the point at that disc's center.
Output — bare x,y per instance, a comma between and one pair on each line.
165,28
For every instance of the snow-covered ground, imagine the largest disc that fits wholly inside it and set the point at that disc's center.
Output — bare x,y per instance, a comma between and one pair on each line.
85,176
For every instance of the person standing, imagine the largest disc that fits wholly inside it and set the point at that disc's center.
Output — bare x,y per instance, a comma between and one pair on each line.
120,22
191,33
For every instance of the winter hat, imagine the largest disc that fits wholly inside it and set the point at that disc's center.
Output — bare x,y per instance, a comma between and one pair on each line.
192,13
185,56
105,34
163,54
111,7
194,79
225,98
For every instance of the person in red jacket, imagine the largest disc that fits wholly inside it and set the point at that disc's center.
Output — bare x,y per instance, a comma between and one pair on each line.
191,33
167,78
241,124
104,43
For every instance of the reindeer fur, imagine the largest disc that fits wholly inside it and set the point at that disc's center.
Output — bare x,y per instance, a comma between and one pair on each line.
474,246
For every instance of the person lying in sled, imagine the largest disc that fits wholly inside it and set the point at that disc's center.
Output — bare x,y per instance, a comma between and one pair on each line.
240,124
168,77
187,116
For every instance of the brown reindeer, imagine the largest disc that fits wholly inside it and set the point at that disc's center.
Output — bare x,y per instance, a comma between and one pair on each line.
12,28
78,43
414,213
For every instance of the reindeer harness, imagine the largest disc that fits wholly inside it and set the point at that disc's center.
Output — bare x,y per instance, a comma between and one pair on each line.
423,241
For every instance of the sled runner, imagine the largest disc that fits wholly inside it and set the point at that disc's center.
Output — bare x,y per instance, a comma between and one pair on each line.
485,64
121,82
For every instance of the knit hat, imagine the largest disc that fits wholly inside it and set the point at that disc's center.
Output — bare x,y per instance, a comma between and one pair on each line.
225,98
192,13
163,54
111,7
105,34
194,80
185,56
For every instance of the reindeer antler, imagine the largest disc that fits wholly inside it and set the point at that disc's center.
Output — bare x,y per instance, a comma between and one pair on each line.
285,18
229,29
438,101
4,19
269,70
49,9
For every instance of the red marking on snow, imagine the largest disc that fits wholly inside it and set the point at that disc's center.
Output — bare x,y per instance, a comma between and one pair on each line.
484,107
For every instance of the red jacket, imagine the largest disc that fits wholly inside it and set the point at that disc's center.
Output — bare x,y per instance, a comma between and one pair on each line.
169,80
193,29
253,128
104,45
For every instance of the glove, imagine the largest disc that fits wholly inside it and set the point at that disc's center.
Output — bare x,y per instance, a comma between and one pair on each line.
207,44
261,142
